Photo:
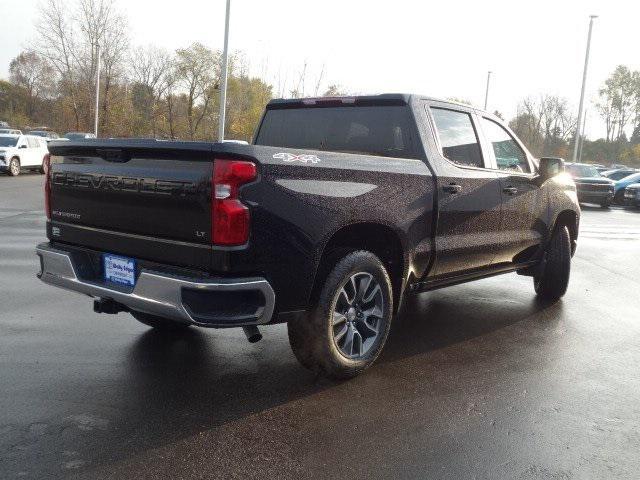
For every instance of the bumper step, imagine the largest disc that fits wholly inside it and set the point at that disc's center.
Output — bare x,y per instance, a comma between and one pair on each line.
161,294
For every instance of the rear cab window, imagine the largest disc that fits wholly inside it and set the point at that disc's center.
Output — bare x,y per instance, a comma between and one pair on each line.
380,130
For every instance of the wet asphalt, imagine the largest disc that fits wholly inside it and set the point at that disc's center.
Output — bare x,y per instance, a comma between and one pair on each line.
477,381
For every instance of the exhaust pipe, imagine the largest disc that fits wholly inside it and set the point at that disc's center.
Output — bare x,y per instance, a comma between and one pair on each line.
252,333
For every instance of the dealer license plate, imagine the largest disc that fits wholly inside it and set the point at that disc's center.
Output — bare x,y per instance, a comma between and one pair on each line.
120,270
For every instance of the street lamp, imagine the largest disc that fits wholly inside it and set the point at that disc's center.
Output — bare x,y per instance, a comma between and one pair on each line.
486,93
95,126
223,73
581,144
584,83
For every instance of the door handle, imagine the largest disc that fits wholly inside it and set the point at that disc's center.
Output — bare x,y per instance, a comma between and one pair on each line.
510,190
452,188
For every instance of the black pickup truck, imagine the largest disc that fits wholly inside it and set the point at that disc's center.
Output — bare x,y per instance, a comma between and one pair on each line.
339,208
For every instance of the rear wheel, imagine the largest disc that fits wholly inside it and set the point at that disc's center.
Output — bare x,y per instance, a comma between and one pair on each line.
14,167
159,323
347,329
552,282
43,166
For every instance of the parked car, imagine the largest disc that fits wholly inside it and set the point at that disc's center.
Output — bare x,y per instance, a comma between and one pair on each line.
78,135
339,208
620,186
22,151
10,131
49,135
632,195
591,186
619,174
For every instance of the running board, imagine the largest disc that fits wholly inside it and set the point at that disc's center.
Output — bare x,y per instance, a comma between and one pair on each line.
435,284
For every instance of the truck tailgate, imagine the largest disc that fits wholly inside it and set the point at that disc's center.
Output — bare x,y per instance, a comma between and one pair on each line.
153,204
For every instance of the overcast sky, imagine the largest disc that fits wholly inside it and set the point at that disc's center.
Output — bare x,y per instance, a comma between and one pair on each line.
438,48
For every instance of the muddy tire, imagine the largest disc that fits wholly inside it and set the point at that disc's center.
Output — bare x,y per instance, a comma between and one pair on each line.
346,331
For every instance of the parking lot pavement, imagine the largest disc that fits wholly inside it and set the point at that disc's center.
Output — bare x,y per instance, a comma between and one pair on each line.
477,381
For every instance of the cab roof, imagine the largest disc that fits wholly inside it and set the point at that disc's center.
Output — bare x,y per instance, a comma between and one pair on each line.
370,100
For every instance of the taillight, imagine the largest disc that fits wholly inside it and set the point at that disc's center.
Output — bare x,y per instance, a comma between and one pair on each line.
46,165
230,222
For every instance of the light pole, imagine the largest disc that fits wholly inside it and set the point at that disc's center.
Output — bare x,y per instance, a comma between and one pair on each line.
95,126
486,93
223,73
584,83
581,142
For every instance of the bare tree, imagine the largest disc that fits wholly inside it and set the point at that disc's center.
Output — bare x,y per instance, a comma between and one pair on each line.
170,81
544,123
151,70
198,70
333,90
618,101
319,81
69,41
35,74
56,42
605,108
101,25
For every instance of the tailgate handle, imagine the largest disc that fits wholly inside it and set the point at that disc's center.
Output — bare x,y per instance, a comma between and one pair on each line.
112,154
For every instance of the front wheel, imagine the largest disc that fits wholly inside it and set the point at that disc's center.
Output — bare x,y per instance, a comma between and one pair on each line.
347,329
552,282
618,198
159,323
14,167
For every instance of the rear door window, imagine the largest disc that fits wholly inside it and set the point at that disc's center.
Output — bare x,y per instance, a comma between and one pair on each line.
387,131
458,137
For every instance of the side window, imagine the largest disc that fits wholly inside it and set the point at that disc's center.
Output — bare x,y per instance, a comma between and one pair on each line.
458,137
509,155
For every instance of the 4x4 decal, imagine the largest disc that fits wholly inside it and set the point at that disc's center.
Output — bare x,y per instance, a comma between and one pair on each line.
289,157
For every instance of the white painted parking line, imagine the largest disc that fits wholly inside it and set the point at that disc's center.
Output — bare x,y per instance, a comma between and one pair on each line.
613,232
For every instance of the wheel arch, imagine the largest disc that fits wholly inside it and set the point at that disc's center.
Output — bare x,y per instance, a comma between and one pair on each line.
380,239
571,220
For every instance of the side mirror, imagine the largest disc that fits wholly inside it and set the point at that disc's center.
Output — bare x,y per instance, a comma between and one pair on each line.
550,167
22,146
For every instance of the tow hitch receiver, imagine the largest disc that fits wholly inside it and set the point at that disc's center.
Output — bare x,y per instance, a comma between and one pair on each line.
108,306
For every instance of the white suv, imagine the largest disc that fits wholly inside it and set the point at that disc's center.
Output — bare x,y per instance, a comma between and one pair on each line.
22,151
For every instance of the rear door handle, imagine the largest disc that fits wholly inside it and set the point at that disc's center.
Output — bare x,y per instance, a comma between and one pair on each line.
452,188
510,190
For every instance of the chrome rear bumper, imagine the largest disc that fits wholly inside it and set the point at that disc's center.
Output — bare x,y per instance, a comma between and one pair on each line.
154,293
